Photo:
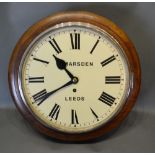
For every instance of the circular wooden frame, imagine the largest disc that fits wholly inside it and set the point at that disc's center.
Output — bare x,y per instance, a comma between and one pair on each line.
87,17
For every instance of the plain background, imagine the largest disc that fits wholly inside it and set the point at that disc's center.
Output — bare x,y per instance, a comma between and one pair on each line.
137,133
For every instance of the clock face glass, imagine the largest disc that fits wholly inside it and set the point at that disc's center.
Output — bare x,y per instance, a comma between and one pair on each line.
74,77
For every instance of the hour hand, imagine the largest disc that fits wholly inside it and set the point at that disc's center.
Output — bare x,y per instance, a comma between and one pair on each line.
62,65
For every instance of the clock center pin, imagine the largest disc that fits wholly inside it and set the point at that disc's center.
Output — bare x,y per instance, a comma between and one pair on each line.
75,80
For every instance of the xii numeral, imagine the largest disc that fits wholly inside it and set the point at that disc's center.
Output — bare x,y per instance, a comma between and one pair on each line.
75,40
55,45
112,79
107,99
74,117
55,112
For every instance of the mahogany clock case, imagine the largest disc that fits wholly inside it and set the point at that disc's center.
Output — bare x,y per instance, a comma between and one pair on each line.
86,17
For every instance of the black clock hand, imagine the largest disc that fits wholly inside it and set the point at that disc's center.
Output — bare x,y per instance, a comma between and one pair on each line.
61,64
54,91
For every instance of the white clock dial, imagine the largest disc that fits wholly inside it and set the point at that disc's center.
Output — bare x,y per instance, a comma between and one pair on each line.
100,82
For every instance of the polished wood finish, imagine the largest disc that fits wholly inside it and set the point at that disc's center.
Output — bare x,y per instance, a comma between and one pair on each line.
87,17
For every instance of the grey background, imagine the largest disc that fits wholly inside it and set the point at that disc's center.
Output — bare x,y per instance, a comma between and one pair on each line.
137,133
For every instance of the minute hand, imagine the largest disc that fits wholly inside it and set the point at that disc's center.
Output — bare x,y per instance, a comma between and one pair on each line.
54,91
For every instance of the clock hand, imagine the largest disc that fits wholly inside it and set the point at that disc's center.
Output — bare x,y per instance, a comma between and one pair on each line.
72,81
54,91
62,65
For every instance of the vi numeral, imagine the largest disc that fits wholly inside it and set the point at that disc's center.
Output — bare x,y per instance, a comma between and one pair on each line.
74,118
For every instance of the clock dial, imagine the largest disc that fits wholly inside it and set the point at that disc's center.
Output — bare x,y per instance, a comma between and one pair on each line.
74,77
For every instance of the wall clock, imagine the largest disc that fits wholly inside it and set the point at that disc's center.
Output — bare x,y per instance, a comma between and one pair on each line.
74,76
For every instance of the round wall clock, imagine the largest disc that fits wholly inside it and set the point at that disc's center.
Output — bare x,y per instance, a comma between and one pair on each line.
74,76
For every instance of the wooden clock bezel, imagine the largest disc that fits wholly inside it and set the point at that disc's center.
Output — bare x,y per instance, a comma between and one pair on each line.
86,17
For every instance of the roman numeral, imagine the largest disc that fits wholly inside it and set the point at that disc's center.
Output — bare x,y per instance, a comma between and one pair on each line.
55,46
74,117
112,79
107,61
55,112
94,46
107,99
39,95
75,40
36,79
94,113
43,61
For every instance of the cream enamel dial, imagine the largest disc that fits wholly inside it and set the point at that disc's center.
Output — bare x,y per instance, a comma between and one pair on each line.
74,77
